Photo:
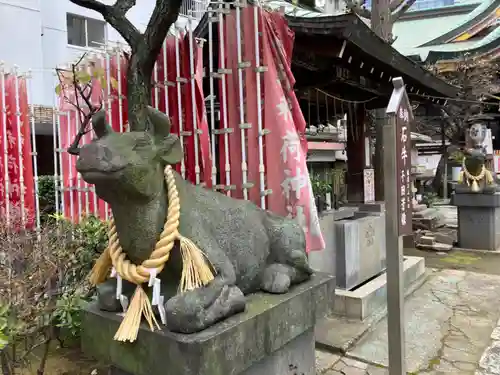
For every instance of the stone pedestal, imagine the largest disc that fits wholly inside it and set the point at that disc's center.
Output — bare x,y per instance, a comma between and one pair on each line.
360,248
325,260
275,335
478,220
354,244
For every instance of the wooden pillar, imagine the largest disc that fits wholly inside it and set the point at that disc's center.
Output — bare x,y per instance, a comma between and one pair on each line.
356,153
380,120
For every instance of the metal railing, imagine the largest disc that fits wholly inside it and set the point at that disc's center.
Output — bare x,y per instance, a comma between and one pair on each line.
194,8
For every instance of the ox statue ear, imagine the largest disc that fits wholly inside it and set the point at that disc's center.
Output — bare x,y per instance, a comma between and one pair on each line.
101,128
160,122
171,150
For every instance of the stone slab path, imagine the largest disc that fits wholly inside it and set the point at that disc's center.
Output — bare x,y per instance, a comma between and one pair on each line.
332,364
451,328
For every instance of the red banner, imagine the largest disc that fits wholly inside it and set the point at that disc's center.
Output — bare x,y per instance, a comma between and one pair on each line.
286,149
16,164
281,152
78,197
230,105
284,146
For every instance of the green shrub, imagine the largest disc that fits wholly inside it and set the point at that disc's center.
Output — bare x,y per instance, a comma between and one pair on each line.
46,197
44,285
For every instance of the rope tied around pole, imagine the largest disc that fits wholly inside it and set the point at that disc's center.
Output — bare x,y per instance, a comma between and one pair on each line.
196,272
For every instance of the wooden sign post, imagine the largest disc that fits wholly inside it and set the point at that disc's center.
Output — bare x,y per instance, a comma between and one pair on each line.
398,217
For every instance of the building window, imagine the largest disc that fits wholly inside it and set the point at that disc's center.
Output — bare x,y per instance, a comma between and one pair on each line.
85,32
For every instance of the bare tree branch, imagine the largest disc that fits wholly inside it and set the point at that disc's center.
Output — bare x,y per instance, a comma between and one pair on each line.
395,4
93,5
83,91
358,8
395,15
115,16
145,49
475,77
123,6
164,15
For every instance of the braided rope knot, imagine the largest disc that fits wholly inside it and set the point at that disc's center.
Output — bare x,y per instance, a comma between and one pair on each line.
195,271
160,255
476,178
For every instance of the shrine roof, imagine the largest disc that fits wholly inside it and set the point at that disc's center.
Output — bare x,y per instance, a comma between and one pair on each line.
360,40
445,35
415,31
474,18
451,51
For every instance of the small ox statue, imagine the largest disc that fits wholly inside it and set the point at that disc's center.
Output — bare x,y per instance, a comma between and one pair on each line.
247,248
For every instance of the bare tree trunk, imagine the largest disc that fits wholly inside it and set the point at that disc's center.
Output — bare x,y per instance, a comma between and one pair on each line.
381,22
138,93
145,48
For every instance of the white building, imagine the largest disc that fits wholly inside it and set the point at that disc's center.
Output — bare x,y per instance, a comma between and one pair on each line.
39,35
42,34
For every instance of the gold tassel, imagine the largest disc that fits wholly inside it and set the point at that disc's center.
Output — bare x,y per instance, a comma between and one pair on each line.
461,177
195,270
475,186
140,305
489,178
101,268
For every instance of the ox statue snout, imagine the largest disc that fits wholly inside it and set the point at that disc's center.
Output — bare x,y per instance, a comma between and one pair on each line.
131,161
98,161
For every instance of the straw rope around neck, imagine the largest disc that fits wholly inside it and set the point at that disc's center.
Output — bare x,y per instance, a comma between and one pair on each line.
475,178
195,272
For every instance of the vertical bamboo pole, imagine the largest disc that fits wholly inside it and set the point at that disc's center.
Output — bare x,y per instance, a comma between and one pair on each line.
5,147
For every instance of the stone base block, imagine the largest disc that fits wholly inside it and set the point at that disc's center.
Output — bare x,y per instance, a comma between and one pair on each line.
371,297
478,221
373,207
341,213
273,336
296,357
324,260
360,248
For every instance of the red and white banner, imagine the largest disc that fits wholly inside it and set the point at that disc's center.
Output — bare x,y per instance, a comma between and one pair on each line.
285,147
78,197
239,148
17,204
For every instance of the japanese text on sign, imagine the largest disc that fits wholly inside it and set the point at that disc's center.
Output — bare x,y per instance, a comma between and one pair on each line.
403,163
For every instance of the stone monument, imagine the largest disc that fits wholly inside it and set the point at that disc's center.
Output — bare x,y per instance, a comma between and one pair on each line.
198,262
477,196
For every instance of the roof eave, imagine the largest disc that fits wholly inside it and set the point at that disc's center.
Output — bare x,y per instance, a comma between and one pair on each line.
352,29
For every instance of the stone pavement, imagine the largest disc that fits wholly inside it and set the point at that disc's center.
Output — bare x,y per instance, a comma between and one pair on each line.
333,364
449,325
490,360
